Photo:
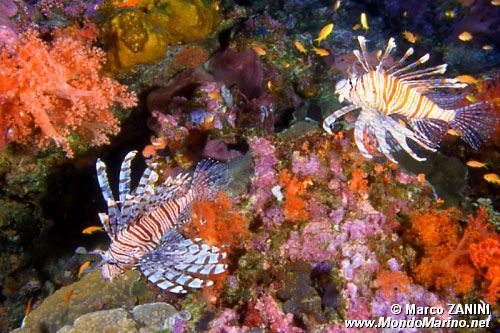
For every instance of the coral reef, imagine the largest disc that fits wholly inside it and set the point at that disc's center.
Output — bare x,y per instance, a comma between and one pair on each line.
315,233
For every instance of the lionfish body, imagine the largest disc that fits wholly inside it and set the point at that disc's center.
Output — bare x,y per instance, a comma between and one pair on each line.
384,95
142,226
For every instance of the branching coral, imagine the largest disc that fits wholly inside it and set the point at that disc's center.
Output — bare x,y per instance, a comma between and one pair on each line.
51,90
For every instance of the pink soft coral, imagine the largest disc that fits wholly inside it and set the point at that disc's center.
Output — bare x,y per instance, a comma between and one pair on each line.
49,90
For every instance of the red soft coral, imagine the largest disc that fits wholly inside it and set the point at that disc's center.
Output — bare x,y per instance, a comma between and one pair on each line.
49,90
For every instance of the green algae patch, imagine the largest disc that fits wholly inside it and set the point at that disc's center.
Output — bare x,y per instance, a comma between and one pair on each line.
89,294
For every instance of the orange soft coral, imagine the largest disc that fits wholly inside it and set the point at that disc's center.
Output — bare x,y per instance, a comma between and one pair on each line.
49,90
217,223
389,282
294,205
454,261
442,265
358,182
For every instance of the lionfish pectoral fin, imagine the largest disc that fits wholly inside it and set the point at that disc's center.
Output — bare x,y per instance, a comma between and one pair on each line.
475,122
171,266
331,119
383,145
431,129
359,132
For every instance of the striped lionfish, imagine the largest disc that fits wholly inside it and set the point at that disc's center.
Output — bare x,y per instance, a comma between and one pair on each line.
142,226
383,94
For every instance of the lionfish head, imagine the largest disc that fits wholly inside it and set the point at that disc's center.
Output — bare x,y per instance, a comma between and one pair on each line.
343,88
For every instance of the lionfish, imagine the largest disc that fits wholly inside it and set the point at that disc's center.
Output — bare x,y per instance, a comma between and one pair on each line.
400,103
142,226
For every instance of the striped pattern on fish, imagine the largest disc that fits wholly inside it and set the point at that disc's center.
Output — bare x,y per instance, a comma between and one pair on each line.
401,92
142,226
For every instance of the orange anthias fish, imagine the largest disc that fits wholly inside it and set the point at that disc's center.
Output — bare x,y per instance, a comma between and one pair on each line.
324,33
320,52
259,50
476,164
299,46
91,230
465,36
83,267
410,37
492,178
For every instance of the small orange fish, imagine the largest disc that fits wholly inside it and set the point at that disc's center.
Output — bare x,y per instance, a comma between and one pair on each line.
465,36
285,64
495,2
320,52
82,268
364,21
127,3
453,132
466,79
91,230
378,54
410,37
324,33
299,46
476,164
487,47
357,26
68,296
492,178
449,14
439,201
259,50
216,5
270,85
421,178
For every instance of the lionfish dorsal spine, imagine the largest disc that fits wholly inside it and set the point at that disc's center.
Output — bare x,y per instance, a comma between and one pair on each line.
114,214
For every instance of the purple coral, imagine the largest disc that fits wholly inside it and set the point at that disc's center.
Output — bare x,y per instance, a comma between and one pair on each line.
263,153
219,150
308,166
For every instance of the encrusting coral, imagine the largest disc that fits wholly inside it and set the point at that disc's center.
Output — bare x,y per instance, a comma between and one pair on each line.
140,35
54,89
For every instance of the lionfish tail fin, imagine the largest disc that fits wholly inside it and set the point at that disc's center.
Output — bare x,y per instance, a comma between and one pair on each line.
209,177
475,123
